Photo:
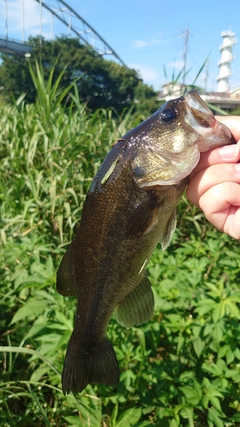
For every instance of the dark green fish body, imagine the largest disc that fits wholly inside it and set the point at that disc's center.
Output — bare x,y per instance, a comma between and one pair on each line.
130,207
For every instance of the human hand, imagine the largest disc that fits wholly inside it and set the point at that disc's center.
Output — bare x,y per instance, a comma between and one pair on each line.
215,183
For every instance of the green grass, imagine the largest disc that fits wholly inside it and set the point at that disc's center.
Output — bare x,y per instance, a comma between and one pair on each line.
182,368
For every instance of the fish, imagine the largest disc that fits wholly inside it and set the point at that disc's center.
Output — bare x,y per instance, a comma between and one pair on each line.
130,208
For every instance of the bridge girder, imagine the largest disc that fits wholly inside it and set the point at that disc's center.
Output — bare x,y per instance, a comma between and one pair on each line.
85,33
80,28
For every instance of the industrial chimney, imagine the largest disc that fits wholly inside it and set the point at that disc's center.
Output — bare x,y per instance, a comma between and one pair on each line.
226,58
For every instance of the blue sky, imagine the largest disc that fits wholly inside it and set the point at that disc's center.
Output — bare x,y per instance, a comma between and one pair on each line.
146,34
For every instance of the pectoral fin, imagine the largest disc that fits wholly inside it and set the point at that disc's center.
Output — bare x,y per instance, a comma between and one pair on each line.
65,277
144,217
137,307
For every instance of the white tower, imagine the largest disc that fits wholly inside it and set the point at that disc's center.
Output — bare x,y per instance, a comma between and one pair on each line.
226,58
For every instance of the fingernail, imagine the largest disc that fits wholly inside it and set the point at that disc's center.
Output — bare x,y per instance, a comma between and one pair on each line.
228,152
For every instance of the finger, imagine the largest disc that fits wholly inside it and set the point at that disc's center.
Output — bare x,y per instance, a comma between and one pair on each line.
226,154
220,155
220,205
212,176
233,123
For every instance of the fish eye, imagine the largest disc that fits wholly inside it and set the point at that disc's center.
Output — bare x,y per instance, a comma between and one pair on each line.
168,115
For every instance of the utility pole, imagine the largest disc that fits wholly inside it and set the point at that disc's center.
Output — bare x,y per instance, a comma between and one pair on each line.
206,75
185,35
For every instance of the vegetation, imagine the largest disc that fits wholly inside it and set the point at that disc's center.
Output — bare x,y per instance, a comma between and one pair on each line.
182,368
100,83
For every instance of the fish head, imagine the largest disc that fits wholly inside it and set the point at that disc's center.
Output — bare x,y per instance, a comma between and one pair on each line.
167,146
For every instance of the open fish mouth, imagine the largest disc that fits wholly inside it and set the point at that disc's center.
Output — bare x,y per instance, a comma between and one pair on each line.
203,122
198,111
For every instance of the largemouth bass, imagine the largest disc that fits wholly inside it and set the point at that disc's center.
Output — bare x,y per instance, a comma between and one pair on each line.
130,207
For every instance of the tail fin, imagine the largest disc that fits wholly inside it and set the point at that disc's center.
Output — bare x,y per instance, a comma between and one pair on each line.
99,366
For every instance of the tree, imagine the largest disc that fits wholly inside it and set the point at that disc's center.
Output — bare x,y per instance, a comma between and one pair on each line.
101,83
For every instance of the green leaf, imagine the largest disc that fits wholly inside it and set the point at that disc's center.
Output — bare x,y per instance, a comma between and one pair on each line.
173,423
74,421
214,417
129,418
31,308
193,394
216,403
42,370
198,346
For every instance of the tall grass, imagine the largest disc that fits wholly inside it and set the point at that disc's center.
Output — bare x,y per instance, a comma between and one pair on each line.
49,155
180,369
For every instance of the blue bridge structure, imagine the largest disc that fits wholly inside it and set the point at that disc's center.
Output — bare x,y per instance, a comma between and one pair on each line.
14,47
59,10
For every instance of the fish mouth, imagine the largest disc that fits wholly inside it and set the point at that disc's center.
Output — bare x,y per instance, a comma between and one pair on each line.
201,119
199,113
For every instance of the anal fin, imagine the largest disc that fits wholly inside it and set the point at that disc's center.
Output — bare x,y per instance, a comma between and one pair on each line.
137,307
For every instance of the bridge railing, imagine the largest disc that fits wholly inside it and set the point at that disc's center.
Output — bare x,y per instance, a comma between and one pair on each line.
14,47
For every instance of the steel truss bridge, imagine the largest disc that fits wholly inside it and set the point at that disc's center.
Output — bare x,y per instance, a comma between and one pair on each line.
75,24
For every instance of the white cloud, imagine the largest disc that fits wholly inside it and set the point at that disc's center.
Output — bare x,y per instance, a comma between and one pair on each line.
145,43
139,43
176,64
146,73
